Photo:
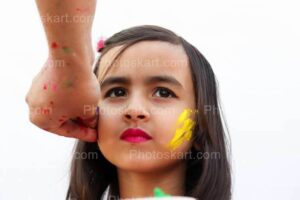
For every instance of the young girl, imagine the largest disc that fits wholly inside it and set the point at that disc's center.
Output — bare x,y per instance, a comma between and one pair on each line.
158,123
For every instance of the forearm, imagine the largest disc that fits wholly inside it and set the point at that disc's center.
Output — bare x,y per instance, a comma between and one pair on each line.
66,83
68,28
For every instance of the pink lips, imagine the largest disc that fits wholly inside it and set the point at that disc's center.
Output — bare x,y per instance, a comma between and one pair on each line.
135,135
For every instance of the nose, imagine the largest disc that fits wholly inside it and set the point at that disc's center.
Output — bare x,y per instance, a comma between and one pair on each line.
135,112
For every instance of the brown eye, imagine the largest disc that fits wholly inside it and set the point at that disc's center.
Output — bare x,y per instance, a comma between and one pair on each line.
165,93
116,91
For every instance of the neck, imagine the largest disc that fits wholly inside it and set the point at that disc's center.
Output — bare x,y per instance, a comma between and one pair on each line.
141,184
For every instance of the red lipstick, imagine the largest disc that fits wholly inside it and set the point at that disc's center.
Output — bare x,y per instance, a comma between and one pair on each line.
135,135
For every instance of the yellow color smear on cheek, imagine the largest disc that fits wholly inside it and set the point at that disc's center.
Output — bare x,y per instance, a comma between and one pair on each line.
185,131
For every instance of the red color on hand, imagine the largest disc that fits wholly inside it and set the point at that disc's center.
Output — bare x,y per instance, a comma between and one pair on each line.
54,45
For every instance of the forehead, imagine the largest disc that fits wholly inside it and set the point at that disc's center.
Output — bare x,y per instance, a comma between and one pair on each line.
148,58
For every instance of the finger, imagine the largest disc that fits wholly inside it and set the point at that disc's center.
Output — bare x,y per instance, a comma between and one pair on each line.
77,130
91,122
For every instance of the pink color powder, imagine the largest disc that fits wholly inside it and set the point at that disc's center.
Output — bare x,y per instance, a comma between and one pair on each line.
54,87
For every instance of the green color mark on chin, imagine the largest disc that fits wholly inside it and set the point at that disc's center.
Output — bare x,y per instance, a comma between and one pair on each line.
159,193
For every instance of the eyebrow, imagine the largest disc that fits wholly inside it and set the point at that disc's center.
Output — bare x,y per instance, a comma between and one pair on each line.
150,80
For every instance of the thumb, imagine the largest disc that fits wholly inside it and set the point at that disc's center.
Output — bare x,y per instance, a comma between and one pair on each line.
91,122
74,129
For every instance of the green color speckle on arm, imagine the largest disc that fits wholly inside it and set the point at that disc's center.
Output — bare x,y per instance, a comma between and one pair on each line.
68,83
66,49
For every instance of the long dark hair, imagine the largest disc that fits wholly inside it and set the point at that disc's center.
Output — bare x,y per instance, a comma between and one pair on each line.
206,179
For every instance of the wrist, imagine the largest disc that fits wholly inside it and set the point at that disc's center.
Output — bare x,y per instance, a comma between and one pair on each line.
64,58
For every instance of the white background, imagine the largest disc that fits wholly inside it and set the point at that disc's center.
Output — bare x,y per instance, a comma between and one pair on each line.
253,47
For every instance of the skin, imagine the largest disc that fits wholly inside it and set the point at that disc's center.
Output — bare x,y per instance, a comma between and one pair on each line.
67,70
70,44
150,109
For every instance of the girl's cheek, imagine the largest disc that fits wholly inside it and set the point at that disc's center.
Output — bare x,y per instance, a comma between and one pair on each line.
166,132
183,130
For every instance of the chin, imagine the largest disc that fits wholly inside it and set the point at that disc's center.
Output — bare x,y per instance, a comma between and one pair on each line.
143,165
140,166
137,159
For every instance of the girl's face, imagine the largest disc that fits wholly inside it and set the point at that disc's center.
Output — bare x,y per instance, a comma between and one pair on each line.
140,99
